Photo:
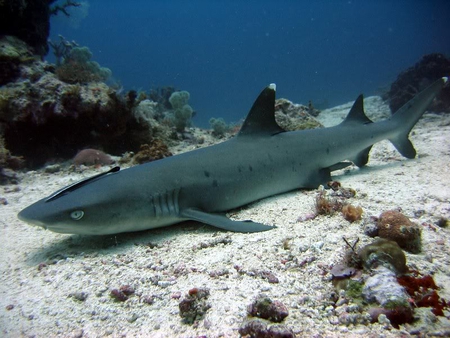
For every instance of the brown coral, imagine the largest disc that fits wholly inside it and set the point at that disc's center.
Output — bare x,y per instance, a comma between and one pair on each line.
155,151
352,213
397,227
325,205
92,157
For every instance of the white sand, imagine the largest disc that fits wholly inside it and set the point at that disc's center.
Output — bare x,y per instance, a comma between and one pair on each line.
42,307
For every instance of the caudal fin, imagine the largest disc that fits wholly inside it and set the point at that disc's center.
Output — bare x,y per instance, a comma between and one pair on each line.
408,115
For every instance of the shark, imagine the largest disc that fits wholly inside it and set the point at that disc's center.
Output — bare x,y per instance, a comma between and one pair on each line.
262,160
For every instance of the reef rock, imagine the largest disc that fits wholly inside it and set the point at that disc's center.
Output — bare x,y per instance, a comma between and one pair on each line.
291,116
383,289
27,20
414,79
44,118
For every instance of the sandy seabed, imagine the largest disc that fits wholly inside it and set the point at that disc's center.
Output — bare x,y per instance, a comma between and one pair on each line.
43,273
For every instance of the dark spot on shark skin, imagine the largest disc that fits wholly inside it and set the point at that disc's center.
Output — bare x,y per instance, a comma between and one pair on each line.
207,174
328,151
239,169
215,184
250,168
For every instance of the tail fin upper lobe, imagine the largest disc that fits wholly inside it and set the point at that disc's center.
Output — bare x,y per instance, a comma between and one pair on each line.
408,115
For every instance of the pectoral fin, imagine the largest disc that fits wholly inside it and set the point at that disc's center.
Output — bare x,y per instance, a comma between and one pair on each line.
223,222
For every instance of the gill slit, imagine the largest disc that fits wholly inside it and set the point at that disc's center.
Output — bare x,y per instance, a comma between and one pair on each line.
166,204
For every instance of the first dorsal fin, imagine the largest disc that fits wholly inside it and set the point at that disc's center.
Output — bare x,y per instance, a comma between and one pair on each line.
261,118
357,114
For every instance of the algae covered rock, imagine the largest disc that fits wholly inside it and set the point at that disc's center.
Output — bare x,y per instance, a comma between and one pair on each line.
395,226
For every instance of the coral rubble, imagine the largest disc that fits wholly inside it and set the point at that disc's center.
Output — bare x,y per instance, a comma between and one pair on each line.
194,306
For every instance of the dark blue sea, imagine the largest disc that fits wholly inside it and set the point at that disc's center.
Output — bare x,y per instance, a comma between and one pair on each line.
225,52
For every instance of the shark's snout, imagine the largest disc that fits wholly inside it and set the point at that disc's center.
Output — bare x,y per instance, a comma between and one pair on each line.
28,215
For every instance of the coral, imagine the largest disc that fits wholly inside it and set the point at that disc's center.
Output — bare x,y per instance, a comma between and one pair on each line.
155,151
92,157
44,118
182,111
326,205
146,112
161,96
194,306
351,213
264,307
77,67
413,80
383,252
219,127
397,227
63,7
61,49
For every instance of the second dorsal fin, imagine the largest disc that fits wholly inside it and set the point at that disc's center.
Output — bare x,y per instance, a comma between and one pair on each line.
357,114
260,121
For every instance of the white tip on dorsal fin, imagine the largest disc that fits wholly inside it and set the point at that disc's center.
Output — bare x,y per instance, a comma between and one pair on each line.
445,78
273,86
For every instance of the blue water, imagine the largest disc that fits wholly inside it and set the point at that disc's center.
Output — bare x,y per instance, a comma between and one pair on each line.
225,52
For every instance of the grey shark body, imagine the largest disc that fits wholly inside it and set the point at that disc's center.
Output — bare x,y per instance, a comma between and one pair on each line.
261,161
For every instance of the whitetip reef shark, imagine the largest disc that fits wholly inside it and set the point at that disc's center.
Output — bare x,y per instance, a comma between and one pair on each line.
201,185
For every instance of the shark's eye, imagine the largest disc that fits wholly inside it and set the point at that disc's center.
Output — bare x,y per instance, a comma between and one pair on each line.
77,215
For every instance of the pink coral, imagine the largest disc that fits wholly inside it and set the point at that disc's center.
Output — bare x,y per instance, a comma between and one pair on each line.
92,157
